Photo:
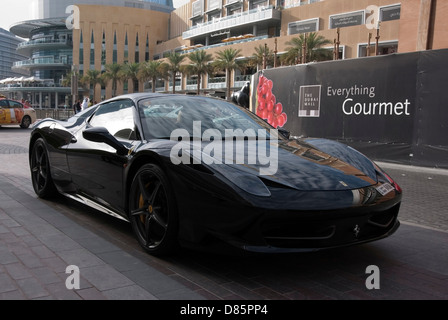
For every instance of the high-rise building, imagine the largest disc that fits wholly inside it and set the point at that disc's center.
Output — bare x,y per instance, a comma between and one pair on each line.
9,55
58,8
53,48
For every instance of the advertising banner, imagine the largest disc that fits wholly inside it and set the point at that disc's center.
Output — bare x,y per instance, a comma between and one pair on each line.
389,107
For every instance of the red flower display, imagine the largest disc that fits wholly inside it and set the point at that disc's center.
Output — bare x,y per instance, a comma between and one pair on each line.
268,108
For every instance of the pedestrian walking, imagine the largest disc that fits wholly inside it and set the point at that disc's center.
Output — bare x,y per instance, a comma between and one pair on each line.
77,106
85,103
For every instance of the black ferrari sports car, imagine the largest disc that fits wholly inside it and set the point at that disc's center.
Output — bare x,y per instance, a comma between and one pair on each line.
194,170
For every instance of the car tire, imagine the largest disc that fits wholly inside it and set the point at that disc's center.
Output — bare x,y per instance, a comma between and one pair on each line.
153,211
26,122
40,171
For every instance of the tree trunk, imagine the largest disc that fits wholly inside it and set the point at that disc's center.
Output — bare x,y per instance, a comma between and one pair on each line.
154,80
199,84
174,82
228,84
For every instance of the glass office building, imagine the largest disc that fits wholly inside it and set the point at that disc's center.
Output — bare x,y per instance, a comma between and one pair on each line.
9,55
57,8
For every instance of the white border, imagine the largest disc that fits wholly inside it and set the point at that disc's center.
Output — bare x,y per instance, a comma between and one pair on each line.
373,43
342,46
320,101
380,18
307,20
347,13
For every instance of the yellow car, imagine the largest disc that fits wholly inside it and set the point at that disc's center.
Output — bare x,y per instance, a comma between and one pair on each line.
14,112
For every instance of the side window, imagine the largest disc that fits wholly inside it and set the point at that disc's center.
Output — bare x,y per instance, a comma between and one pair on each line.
14,104
117,117
4,103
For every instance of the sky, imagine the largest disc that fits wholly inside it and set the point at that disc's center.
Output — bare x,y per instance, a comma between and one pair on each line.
13,11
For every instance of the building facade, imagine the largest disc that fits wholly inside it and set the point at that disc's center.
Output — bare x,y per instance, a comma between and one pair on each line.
104,34
128,31
9,55
358,27
58,8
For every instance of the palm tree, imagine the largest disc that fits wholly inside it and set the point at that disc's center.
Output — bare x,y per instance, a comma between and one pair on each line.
174,66
67,80
113,73
313,45
152,70
257,59
200,64
92,78
131,71
227,59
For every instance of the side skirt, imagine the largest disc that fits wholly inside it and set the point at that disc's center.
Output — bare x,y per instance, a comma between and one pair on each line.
94,205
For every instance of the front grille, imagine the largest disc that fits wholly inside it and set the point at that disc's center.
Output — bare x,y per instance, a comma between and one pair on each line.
292,231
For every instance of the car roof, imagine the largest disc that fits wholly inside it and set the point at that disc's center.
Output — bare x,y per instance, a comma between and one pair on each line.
139,96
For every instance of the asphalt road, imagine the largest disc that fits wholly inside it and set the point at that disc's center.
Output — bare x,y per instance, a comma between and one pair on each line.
412,262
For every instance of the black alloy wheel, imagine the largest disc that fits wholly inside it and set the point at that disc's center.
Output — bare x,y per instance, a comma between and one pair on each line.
40,171
152,211
26,122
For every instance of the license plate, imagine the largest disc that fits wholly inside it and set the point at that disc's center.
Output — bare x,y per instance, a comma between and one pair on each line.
385,189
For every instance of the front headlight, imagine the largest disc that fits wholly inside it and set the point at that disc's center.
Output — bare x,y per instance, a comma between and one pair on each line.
247,182
251,184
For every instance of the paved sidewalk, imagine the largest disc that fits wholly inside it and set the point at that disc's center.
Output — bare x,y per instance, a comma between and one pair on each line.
39,239
37,243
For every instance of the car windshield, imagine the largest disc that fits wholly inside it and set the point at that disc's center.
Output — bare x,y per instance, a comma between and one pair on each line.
160,116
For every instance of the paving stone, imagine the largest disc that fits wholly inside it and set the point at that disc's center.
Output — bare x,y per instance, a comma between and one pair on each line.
3,229
58,242
7,257
122,261
6,283
18,271
12,295
30,240
153,281
97,245
182,294
91,294
60,292
30,260
128,293
32,288
42,252
46,275
19,231
105,277
8,222
80,257
77,232
56,264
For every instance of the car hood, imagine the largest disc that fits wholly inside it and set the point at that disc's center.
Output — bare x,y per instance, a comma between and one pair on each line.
311,165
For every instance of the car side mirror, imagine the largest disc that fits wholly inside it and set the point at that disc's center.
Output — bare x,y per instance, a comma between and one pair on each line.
101,134
284,132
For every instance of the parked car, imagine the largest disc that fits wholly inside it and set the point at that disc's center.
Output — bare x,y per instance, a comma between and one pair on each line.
175,179
14,112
